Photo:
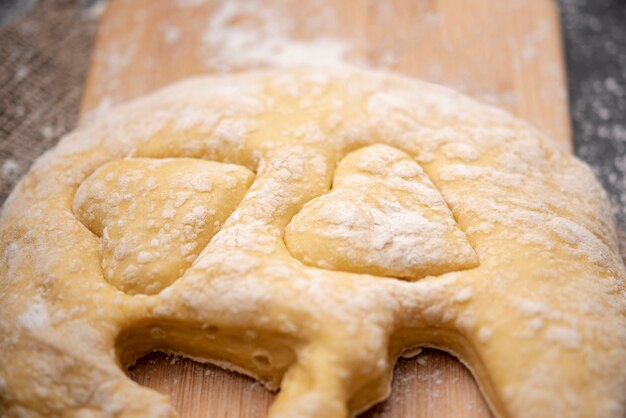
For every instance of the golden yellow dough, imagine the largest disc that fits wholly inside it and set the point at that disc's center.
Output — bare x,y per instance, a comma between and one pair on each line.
306,227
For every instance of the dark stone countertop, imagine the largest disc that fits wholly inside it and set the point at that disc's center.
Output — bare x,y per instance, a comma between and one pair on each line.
595,44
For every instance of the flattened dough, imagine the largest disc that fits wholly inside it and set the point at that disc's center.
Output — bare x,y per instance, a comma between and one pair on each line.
305,227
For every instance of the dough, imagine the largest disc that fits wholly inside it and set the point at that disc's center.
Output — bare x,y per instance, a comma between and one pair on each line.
306,227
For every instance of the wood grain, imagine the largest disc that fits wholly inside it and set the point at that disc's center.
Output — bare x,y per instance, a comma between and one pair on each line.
505,52
446,388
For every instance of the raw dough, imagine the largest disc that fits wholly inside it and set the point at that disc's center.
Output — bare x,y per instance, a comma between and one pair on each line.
306,227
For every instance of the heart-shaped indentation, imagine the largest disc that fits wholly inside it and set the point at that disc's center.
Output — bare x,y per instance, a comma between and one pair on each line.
384,217
155,216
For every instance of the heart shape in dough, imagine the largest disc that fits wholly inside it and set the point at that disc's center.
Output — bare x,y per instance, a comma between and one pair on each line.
154,216
383,217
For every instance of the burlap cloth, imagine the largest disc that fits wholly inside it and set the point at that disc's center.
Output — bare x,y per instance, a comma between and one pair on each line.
44,57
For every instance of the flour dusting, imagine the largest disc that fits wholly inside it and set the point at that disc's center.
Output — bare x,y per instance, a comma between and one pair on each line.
246,34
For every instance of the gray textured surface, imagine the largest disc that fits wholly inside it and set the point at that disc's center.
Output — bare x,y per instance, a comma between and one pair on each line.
44,55
595,40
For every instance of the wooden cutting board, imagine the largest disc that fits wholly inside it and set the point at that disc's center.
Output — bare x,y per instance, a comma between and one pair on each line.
504,52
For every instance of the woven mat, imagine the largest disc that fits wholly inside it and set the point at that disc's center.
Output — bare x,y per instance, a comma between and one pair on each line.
44,59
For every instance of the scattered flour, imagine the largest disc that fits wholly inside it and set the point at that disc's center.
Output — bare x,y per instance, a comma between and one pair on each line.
484,334
464,295
36,316
568,337
10,170
21,72
171,34
244,34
